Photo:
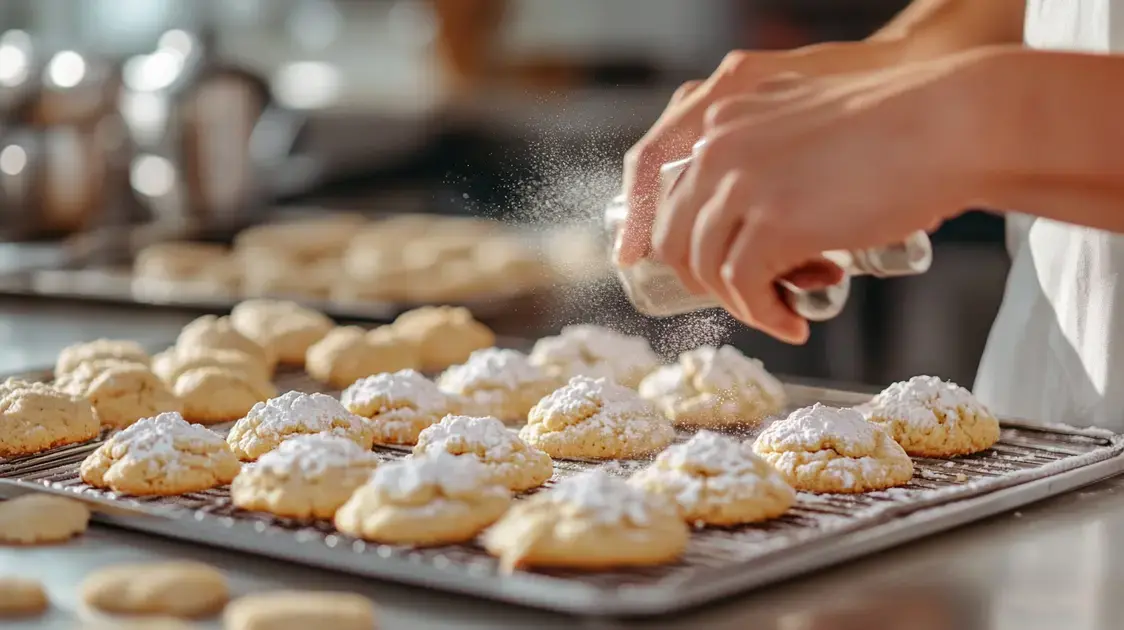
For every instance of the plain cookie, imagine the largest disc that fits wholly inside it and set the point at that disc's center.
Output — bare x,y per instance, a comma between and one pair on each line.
308,476
120,392
300,610
270,423
35,417
596,419
825,449
444,335
714,387
717,480
38,519
596,352
591,521
288,328
118,349
210,331
176,589
213,394
436,500
174,361
508,459
933,418
498,382
21,597
399,405
164,455
349,353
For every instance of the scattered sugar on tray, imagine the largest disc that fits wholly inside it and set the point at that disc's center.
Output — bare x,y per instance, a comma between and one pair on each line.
448,473
316,453
404,388
293,411
821,427
488,437
916,399
509,369
605,498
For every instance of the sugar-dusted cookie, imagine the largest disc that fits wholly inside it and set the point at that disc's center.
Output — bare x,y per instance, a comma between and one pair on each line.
436,500
163,455
169,364
714,387
349,353
300,610
120,349
825,449
588,350
933,418
210,331
35,417
286,327
498,382
270,423
444,335
121,393
596,419
399,405
308,476
590,521
21,597
510,462
175,589
38,519
717,480
214,394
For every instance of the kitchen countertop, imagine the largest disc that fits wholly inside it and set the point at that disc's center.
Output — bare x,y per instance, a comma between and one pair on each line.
1055,564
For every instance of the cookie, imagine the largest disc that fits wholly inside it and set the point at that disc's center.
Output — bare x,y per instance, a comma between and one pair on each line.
588,350
399,405
35,417
717,480
218,333
714,387
933,418
300,610
288,328
270,273
39,519
270,423
308,476
510,462
122,350
444,335
175,269
175,589
121,393
590,521
305,238
145,622
214,394
497,382
825,449
173,362
20,597
435,500
163,455
596,419
349,353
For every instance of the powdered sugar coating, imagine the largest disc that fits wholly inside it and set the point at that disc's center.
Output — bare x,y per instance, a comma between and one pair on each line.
510,461
314,454
159,436
446,473
399,404
916,400
492,368
602,498
588,350
820,427
271,422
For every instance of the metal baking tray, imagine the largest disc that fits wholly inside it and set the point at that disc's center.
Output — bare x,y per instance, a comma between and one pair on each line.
1028,464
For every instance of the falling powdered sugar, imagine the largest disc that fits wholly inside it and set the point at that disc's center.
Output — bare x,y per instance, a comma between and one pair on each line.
316,453
727,369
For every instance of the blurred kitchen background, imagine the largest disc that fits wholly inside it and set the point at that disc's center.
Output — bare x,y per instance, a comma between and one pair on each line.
124,123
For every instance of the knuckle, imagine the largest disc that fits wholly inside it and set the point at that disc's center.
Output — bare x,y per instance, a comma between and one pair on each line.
734,63
722,112
685,90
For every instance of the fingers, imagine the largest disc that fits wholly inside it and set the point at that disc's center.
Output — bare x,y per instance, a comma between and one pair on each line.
818,274
714,233
754,289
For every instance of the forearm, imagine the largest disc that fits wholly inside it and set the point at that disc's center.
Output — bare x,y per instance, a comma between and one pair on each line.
1056,150
933,28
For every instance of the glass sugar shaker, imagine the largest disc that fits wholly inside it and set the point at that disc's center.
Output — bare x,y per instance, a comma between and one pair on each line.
655,290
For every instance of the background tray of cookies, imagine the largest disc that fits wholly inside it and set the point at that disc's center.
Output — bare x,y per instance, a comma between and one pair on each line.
1029,463
350,266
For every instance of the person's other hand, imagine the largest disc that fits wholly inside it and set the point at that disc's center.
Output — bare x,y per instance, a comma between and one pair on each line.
843,162
681,124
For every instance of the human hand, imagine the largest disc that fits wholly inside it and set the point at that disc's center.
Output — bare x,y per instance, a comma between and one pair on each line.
681,124
845,162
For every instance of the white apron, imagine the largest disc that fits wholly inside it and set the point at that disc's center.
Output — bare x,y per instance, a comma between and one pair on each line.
1056,351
